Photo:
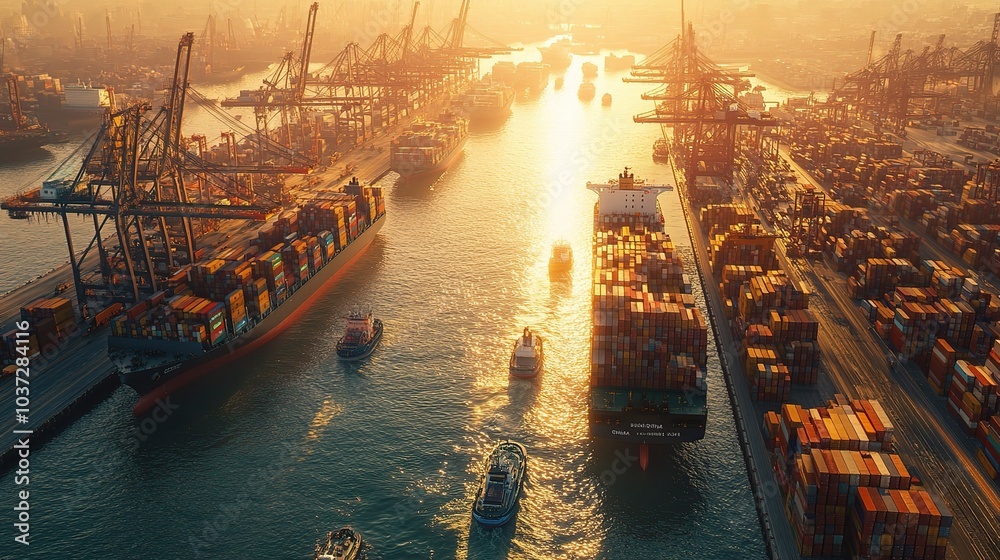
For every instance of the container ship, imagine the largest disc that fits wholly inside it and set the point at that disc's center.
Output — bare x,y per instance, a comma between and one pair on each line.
223,307
429,147
614,63
648,342
559,54
18,132
486,102
533,76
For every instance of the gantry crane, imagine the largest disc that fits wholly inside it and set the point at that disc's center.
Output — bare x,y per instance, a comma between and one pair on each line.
132,183
697,99
892,90
369,88
282,91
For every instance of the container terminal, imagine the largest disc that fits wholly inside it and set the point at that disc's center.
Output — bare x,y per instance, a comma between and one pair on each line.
847,250
190,207
849,266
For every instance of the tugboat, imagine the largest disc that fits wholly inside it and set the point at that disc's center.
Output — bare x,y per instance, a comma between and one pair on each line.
561,261
361,336
661,152
587,91
606,100
527,358
342,544
501,486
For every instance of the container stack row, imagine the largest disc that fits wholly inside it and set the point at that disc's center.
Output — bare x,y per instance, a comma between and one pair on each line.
647,332
220,297
988,436
879,276
887,524
767,308
828,459
972,393
51,320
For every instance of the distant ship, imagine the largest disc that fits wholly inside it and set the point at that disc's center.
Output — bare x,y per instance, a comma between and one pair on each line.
561,260
613,63
342,544
559,54
661,150
429,147
18,132
589,70
754,100
500,488
503,72
527,358
606,100
532,75
209,74
587,91
649,342
25,139
231,303
485,102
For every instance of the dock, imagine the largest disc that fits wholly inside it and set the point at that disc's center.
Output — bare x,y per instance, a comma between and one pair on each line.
764,485
70,378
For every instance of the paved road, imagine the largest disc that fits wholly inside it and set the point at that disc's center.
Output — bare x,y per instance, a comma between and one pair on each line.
927,437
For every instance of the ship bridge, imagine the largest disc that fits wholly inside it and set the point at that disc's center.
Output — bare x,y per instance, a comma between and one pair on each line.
628,196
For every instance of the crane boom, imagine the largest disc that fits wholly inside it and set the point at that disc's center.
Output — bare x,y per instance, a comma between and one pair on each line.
307,43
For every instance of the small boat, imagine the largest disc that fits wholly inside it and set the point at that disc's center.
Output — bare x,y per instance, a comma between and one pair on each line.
589,70
661,151
343,544
361,336
587,91
527,357
559,82
561,261
501,486
606,100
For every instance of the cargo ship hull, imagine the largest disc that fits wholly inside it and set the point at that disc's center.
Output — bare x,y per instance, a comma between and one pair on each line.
650,430
651,416
478,115
409,172
632,401
20,143
156,383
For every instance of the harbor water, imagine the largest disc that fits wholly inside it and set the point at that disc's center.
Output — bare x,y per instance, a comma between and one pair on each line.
274,451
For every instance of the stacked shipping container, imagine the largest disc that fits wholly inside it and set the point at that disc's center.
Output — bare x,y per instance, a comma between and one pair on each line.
830,457
644,335
224,295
